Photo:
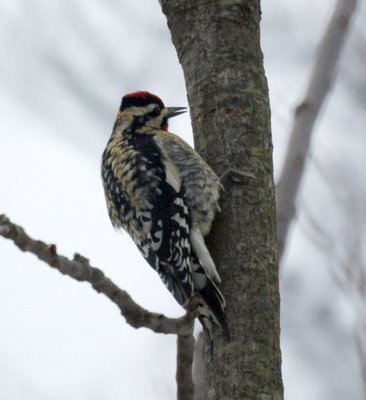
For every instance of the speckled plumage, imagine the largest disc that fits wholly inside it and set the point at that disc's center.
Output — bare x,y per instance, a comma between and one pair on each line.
165,196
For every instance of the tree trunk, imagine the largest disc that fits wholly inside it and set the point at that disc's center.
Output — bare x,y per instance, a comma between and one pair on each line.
218,46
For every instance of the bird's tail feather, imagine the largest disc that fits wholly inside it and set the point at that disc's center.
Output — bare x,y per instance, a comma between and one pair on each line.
211,311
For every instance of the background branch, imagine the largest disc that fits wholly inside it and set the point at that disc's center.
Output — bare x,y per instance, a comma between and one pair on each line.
306,113
344,254
80,269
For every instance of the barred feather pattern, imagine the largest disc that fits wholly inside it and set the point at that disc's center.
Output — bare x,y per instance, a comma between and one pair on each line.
159,225
165,196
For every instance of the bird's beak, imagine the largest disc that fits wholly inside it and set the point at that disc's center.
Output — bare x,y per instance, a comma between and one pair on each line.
174,111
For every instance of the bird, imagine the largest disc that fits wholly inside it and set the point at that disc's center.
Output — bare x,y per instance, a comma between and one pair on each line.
161,191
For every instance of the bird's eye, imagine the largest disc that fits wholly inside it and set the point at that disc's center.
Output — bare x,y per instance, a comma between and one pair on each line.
155,112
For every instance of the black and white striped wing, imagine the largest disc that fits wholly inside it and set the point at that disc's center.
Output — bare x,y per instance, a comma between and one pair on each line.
164,219
167,248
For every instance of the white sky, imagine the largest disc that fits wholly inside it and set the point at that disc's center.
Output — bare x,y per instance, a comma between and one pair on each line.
64,68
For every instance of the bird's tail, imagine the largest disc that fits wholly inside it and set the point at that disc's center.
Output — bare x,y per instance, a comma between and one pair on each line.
211,311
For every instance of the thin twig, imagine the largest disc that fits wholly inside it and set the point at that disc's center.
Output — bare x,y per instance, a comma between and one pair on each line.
321,82
80,269
185,351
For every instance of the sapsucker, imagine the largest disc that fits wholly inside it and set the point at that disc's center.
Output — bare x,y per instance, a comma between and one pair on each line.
165,196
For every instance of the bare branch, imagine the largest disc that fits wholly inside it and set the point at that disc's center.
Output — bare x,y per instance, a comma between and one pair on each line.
199,369
321,82
80,269
185,350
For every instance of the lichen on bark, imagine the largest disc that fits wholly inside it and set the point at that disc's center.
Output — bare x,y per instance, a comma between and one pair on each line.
218,46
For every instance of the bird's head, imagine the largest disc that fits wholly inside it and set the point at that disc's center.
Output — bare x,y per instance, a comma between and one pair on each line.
144,109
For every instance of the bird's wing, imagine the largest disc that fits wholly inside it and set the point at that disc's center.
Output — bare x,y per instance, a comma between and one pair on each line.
202,186
156,195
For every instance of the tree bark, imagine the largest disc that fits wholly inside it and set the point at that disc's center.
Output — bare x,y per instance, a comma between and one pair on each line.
218,46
